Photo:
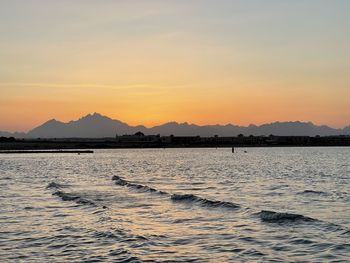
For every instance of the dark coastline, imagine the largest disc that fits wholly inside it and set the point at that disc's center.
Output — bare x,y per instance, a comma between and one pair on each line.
154,141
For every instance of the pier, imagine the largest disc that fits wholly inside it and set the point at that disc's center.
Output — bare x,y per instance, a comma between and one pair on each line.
48,151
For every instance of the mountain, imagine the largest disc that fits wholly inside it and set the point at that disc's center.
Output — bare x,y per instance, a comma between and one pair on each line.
276,128
13,134
91,126
99,126
296,128
346,130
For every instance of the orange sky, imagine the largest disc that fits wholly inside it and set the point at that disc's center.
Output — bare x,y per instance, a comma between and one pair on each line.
166,61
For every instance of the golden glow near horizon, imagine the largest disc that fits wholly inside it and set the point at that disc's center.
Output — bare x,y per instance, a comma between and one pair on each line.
205,62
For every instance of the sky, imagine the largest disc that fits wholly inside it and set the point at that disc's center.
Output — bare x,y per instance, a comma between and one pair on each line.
154,61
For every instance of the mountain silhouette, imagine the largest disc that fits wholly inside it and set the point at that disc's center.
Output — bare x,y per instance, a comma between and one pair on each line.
98,126
90,126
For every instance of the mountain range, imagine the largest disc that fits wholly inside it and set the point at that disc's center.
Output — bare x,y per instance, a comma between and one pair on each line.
99,126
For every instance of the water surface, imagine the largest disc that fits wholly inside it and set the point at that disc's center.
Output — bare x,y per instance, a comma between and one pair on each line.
177,205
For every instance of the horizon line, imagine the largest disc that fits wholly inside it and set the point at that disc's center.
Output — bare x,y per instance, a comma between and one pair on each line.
177,122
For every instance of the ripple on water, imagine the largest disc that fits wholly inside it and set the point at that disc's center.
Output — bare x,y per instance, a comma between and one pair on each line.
172,206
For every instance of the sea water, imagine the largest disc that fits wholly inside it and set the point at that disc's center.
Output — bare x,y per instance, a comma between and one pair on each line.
177,205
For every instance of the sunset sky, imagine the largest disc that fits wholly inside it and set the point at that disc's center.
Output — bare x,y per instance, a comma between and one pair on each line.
153,61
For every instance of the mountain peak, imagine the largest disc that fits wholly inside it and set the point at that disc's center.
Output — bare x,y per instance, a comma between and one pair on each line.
94,116
51,122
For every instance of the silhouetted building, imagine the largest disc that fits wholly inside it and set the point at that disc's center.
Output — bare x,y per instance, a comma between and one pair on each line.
138,137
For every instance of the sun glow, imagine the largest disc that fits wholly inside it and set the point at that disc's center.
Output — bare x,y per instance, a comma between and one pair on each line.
228,63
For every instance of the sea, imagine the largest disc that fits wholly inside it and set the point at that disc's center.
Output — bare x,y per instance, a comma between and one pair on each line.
276,204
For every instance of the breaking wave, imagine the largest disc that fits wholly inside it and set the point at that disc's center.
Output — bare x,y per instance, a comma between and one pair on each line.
71,197
313,192
271,216
145,188
190,198
55,185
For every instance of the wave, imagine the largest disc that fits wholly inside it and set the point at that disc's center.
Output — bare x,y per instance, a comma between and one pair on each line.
55,185
119,181
119,235
121,254
271,216
190,198
71,197
346,232
277,217
313,192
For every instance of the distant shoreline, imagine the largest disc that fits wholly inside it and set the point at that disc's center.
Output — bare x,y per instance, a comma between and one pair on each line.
136,142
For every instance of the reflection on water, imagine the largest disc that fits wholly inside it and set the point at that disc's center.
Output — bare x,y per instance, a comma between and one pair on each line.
166,205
